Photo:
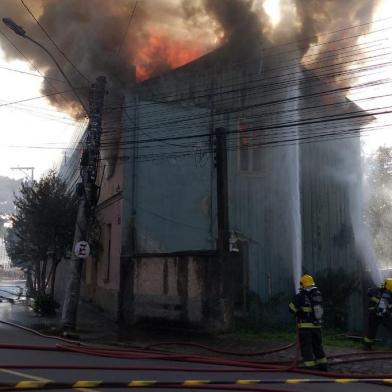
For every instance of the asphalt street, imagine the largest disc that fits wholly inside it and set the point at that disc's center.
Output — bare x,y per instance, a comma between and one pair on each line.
26,357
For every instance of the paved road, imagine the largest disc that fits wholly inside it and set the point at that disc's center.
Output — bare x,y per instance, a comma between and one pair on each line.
12,335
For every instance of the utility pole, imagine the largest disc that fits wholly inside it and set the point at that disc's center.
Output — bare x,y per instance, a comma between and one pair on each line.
87,192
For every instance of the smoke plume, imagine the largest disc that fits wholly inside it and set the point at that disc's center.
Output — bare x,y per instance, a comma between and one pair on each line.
94,35
101,38
325,27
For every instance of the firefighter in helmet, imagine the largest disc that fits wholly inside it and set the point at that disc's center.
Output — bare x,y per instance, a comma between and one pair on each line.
307,308
379,311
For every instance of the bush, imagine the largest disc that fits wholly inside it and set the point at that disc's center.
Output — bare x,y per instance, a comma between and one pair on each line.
336,287
44,304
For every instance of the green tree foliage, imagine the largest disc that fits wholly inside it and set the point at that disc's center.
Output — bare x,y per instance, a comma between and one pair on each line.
42,229
336,287
379,210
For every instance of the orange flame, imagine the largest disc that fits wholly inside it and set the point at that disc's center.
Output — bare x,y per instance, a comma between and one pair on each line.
161,53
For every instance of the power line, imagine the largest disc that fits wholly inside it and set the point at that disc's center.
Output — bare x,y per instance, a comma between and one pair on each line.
40,97
26,58
127,29
53,42
266,103
295,50
32,74
208,93
359,114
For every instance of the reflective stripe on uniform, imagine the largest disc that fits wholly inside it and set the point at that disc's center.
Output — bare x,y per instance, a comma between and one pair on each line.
308,325
374,299
309,363
321,360
293,307
306,309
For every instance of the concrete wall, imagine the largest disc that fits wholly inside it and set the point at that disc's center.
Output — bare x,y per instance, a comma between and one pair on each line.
185,289
168,288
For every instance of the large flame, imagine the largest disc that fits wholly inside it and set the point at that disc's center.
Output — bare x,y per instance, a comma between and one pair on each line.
161,52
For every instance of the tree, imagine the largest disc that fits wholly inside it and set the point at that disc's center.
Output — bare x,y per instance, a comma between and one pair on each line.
42,229
379,210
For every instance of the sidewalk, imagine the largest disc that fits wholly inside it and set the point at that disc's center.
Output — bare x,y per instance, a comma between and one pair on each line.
93,326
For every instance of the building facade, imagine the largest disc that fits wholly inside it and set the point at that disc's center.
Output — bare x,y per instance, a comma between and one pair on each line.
293,175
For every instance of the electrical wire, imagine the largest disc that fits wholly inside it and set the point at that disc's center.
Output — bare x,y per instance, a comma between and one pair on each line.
10,42
32,74
127,29
319,93
271,77
274,103
54,43
40,97
295,50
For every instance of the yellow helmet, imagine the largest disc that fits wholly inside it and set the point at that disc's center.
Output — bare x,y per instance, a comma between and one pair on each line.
308,281
388,284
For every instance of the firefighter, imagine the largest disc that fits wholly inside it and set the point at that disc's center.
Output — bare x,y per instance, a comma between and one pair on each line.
307,308
379,311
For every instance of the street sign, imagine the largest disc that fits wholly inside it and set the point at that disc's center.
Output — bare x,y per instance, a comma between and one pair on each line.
82,249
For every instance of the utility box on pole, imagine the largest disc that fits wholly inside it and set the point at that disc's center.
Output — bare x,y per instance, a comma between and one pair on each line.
87,193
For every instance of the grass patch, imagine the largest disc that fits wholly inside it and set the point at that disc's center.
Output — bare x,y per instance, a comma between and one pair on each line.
336,339
285,335
272,335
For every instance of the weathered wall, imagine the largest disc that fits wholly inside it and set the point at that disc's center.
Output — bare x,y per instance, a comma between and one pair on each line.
181,288
176,197
102,275
173,195
101,282
284,201
331,185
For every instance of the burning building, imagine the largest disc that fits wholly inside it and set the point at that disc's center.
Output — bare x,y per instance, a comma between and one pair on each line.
294,173
292,143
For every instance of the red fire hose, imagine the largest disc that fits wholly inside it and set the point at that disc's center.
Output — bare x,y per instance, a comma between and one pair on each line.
235,365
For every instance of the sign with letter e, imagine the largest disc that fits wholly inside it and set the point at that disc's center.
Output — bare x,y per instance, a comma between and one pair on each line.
82,249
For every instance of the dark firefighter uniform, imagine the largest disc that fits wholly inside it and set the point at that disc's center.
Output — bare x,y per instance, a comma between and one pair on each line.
379,310
307,308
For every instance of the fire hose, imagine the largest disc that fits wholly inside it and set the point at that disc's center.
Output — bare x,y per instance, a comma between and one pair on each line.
234,365
214,350
178,383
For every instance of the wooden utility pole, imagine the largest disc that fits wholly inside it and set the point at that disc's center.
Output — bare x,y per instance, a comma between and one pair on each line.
87,192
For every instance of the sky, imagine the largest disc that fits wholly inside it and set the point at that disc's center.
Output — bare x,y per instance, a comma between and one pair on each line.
26,127
33,132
